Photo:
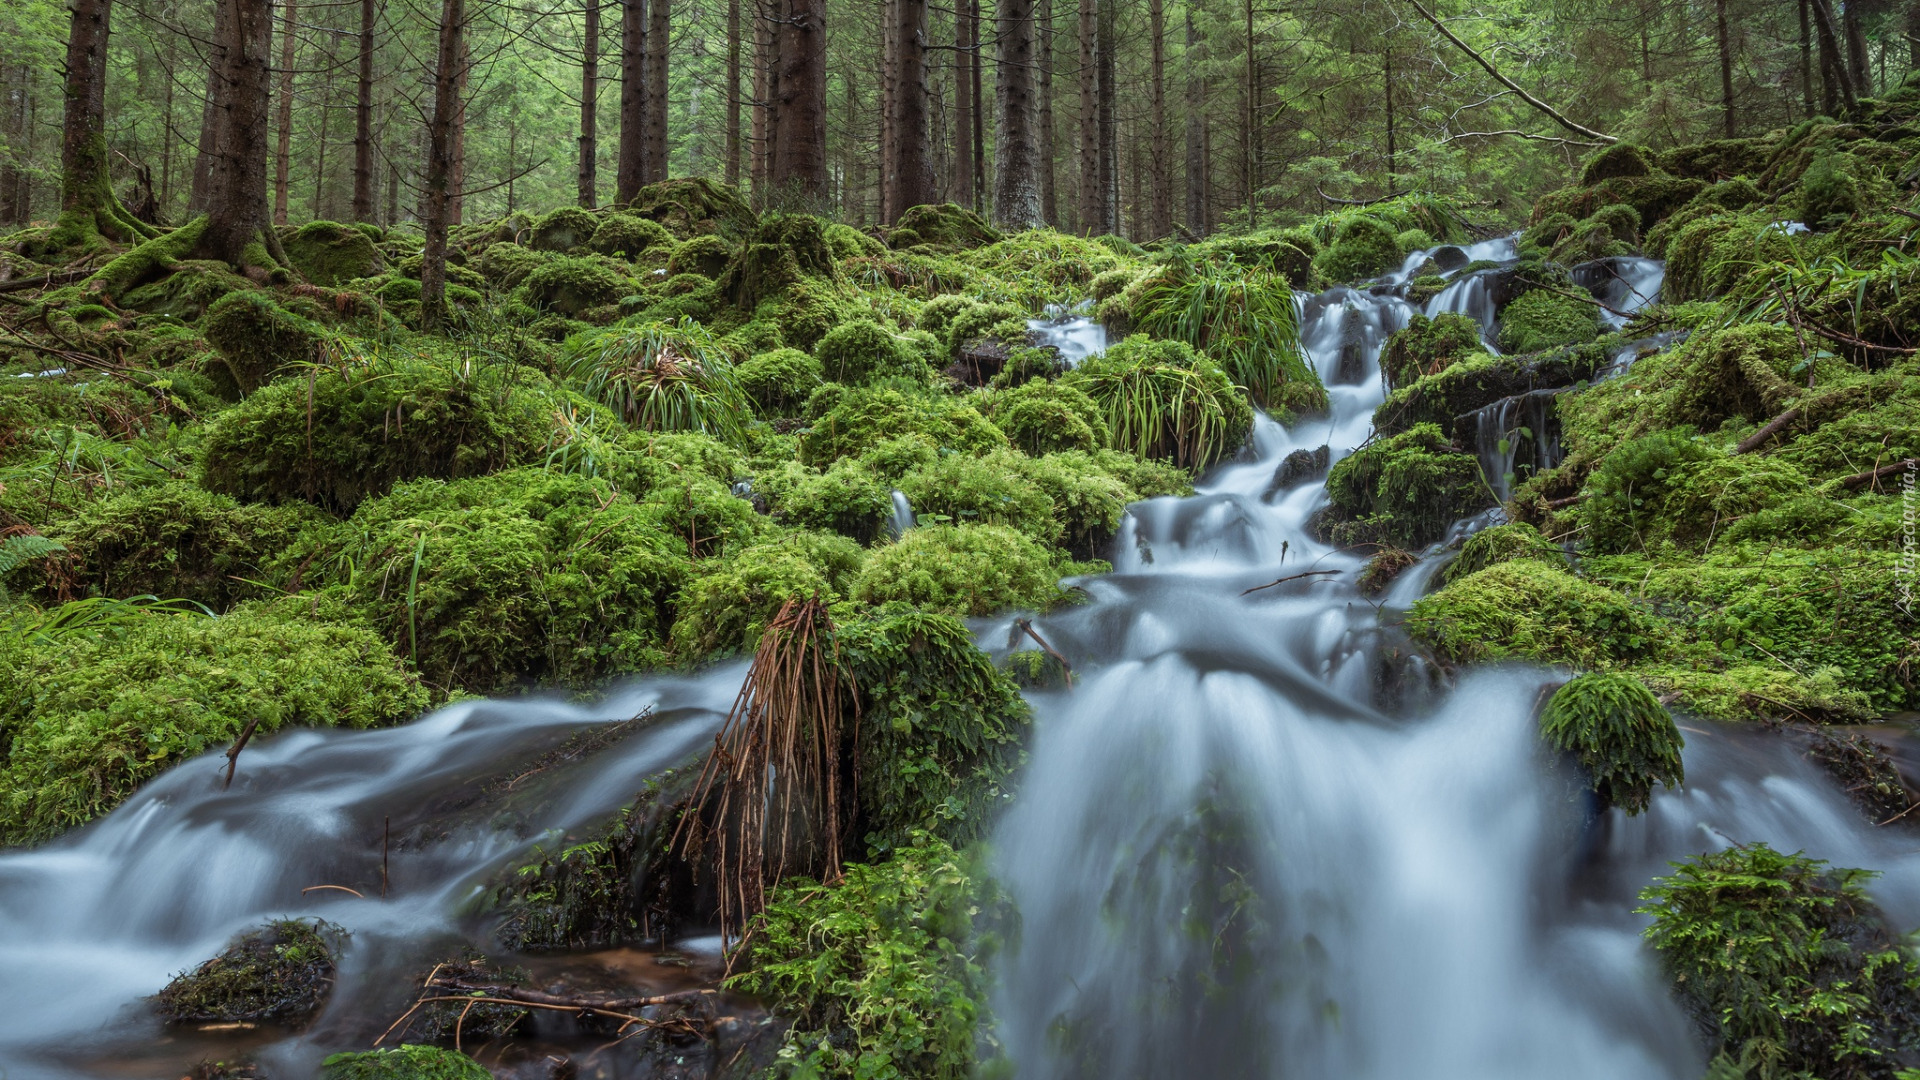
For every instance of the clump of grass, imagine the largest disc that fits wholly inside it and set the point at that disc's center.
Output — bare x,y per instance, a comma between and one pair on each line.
1244,319
403,1063
663,377
1620,734
281,972
1161,399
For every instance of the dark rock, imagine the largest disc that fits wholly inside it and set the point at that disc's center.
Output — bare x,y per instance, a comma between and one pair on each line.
1448,257
979,361
1352,370
1298,468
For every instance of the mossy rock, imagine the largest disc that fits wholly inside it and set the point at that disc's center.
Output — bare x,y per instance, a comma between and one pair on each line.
1669,488
988,490
1528,610
862,351
848,242
282,972
177,540
187,290
1404,491
1652,196
258,338
947,225
506,264
1498,544
845,498
1362,248
847,422
780,381
355,433
965,570
629,235
1620,159
1542,320
706,256
936,315
411,1062
1618,734
563,229
91,719
1428,346
331,254
1090,493
1839,186
728,605
1003,324
573,286
694,206
1042,417
1719,159
785,251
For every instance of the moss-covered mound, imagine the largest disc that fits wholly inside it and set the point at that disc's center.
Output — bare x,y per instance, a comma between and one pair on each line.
629,235
729,602
331,254
1363,247
1526,610
962,570
1620,736
862,351
563,229
1042,417
1403,491
349,433
1160,399
403,1063
1427,347
258,338
282,972
849,422
944,225
1543,319
780,381
694,206
575,286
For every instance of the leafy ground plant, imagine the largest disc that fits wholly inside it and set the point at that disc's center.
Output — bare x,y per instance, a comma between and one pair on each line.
662,377
1619,733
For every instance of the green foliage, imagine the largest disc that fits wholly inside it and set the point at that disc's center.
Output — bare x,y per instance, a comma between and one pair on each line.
1244,321
330,254
849,422
629,235
1362,247
507,264
694,206
91,715
258,338
1162,400
1043,417
1501,543
962,570
281,972
1670,487
1619,733
661,377
862,351
1403,491
403,1063
345,433
574,286
729,604
988,490
779,382
977,322
1785,961
879,971
1541,320
1526,610
845,498
1427,347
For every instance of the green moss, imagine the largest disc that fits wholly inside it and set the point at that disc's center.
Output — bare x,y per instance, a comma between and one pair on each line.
726,607
977,322
1526,610
848,242
962,570
1619,159
1652,196
352,433
1403,491
878,970
629,235
1428,346
862,351
1042,417
187,290
507,264
563,229
91,718
849,422
987,490
331,254
1713,253
177,540
1362,248
1785,961
847,498
946,224
403,1063
1162,400
1758,691
694,206
779,382
706,256
1501,543
572,286
1541,320
1838,186
937,315
785,251
282,972
258,338
1669,487
1619,734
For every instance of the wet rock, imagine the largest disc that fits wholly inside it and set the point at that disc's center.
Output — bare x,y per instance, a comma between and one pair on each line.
1865,770
1354,351
1448,257
281,972
1297,468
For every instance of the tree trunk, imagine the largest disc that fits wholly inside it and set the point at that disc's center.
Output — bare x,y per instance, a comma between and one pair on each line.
961,187
363,119
457,184
799,165
631,174
659,36
283,114
1393,151
1725,40
1016,188
1250,119
761,127
325,108
732,173
588,181
88,206
440,162
1856,48
1160,164
1806,60
909,169
975,64
1912,33
1196,149
1089,120
1049,190
209,112
1109,132
237,232
15,188
1837,93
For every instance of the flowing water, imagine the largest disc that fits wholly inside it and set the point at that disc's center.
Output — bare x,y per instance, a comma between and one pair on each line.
1260,838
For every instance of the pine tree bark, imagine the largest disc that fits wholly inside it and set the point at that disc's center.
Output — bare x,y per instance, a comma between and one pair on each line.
1806,60
659,36
363,118
16,188
209,112
1857,64
1089,121
732,167
631,173
283,113
1016,188
588,180
88,206
975,64
1109,129
1250,116
1725,39
909,166
237,232
1049,189
1837,90
1196,124
1911,31
440,163
458,183
799,166
761,127
961,186
1393,149
1160,164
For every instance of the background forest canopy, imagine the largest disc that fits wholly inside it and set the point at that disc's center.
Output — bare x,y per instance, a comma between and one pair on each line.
1148,117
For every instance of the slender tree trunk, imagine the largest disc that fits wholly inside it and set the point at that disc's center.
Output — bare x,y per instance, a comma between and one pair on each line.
631,174
1049,190
1109,131
1856,33
87,202
283,113
1016,189
1393,151
732,173
961,186
1838,92
1090,154
975,64
237,231
1911,32
1806,60
1725,39
799,166
659,36
15,189
440,162
909,170
363,118
1251,120
852,180
325,108
589,180
457,187
209,112
393,194
761,126
1160,166
1196,107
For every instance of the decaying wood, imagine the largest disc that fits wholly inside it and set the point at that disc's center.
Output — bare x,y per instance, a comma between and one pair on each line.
1862,479
233,754
1773,427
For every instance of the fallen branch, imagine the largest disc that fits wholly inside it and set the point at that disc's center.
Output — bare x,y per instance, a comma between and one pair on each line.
47,281
1561,504
233,755
1026,625
1290,577
1516,132
1588,297
342,888
521,996
1759,438
1578,129
1864,478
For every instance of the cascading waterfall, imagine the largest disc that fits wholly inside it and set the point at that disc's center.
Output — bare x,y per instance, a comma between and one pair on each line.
1516,437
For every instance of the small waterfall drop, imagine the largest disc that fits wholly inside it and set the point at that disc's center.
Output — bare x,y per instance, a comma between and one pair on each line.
902,518
1072,331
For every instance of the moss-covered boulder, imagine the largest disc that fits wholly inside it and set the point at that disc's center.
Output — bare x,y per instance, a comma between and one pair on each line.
1619,736
258,338
1619,159
706,256
409,1062
990,490
1671,487
1042,417
575,286
282,972
779,382
851,421
90,718
694,206
563,229
1501,543
1528,610
863,351
727,606
331,254
355,432
1428,346
962,570
945,225
507,264
628,235
1403,491
1541,320
847,497
1363,247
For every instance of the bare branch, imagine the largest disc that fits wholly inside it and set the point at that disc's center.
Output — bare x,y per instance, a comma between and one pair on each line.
1578,129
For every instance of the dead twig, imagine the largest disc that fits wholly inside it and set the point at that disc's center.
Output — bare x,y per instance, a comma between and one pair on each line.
1026,626
1862,479
342,888
233,755
1290,577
